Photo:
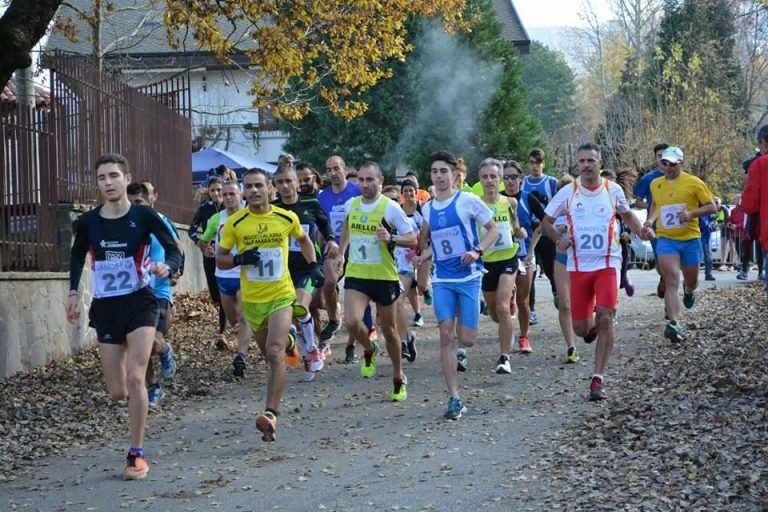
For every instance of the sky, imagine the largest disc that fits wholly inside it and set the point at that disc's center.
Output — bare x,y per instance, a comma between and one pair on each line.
558,13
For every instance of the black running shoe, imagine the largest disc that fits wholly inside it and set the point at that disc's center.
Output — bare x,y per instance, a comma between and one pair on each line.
238,364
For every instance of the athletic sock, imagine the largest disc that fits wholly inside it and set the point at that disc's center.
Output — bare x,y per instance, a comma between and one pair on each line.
137,451
307,325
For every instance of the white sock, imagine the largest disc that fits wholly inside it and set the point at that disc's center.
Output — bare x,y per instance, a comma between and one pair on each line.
308,331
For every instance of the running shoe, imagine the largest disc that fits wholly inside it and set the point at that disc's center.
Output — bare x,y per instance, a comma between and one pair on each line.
710,277
136,467
368,364
404,350
455,409
524,344
418,320
309,375
461,360
502,365
742,276
410,345
689,299
428,297
221,342
325,350
534,318
661,288
168,363
155,393
292,355
596,390
399,393
329,330
629,288
572,356
266,423
591,335
349,354
673,332
239,365
315,360
556,300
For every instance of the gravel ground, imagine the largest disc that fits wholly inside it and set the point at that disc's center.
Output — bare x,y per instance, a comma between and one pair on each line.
684,427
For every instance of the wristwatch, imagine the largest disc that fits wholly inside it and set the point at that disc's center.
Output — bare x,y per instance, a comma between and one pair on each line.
478,249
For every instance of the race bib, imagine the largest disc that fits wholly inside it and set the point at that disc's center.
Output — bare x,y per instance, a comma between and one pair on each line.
669,216
590,242
337,221
112,278
504,240
293,244
448,243
270,267
364,249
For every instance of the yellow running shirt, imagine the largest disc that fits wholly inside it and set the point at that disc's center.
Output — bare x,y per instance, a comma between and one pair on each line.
268,232
684,193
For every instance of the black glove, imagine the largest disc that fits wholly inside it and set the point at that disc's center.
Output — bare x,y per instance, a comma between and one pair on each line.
249,257
316,275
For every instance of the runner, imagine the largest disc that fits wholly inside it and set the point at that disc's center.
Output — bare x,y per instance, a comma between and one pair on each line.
563,285
260,233
591,205
333,201
407,273
679,199
314,223
543,187
124,309
373,227
161,287
309,180
500,259
228,280
529,214
210,206
412,208
450,224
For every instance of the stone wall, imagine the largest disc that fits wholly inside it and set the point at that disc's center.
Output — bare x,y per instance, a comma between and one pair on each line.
33,323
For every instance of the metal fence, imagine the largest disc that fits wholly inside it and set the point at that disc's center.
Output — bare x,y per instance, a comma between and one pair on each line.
47,155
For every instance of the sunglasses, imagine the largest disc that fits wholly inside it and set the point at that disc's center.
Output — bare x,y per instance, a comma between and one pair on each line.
512,176
667,163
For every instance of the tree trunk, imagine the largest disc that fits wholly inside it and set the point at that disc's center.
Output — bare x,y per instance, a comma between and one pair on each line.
21,27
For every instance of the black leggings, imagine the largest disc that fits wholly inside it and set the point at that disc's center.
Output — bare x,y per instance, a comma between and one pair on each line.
209,267
545,258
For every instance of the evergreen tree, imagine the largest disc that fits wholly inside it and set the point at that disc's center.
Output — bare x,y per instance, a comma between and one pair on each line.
462,92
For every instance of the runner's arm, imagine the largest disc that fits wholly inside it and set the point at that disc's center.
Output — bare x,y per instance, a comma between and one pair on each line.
78,253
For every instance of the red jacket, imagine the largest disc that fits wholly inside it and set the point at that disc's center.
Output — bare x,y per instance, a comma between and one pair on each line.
754,199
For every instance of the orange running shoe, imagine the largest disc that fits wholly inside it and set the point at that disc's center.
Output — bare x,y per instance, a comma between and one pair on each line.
136,467
266,423
525,345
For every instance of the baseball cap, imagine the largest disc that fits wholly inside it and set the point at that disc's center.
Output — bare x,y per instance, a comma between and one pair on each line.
672,154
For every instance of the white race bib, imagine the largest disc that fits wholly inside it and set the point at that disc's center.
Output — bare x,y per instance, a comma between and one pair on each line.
337,221
669,216
364,249
293,244
590,242
504,240
112,278
448,243
270,267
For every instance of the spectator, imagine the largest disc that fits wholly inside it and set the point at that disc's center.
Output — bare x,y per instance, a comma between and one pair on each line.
755,196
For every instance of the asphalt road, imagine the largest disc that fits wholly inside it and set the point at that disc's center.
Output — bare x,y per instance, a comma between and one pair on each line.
341,445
